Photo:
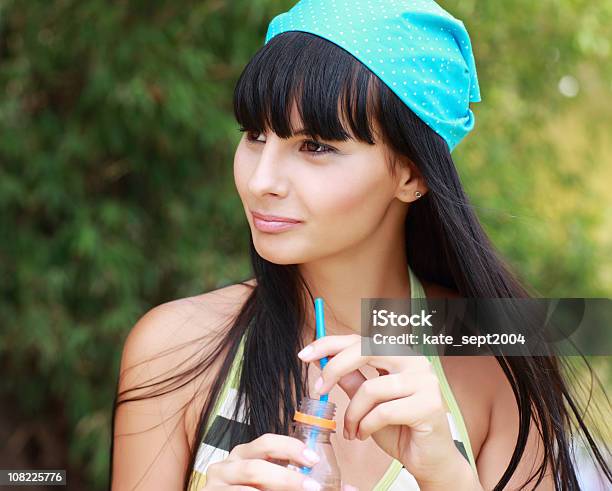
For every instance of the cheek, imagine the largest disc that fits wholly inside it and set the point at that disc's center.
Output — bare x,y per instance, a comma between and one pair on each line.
241,166
237,167
358,195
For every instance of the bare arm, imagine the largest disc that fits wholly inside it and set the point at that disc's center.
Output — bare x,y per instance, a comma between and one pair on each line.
151,439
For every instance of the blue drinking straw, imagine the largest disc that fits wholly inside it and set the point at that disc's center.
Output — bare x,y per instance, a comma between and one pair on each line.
320,332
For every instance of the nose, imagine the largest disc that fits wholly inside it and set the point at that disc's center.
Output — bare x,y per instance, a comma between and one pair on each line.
268,176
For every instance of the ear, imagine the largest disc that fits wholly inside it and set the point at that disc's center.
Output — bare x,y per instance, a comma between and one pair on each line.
409,184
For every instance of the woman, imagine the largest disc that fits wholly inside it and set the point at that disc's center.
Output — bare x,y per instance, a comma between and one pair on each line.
350,192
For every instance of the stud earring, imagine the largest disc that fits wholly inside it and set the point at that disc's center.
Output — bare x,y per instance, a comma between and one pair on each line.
418,194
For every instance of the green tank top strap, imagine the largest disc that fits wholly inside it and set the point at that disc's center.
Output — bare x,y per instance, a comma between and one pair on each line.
417,292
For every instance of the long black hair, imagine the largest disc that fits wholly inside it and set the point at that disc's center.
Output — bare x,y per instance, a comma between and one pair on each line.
445,244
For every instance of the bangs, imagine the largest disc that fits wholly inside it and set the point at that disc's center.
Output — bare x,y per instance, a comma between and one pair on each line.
336,96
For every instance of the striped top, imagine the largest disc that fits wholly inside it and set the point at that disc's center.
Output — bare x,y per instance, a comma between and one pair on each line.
215,445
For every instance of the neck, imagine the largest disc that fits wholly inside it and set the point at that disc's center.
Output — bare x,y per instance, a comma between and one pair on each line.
374,269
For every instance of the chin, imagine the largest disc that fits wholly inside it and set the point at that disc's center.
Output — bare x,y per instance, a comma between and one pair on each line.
278,250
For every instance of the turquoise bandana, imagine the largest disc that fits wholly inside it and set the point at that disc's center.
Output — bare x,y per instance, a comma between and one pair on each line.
420,51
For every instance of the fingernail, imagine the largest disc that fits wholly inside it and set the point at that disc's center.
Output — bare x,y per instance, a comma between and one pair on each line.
310,456
318,384
306,352
348,487
311,485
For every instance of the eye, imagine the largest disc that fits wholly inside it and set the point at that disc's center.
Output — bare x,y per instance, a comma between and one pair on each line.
319,148
249,135
323,148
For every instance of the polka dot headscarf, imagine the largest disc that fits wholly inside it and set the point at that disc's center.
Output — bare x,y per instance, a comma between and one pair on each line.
420,51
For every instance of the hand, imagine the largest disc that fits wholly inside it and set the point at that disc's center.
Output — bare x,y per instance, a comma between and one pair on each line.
402,409
249,466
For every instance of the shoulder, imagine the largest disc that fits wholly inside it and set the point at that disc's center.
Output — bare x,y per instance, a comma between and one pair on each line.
476,382
177,322
178,332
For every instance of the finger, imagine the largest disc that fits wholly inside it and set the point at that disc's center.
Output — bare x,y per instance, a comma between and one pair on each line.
327,346
422,412
350,359
375,391
331,345
351,382
348,487
259,473
273,446
346,361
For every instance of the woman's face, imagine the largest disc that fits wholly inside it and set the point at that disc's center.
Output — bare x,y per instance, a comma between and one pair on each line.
341,197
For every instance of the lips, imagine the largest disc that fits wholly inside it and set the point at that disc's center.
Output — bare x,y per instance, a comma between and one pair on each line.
273,224
274,218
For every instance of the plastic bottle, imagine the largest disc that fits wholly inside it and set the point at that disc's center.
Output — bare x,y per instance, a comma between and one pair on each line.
313,424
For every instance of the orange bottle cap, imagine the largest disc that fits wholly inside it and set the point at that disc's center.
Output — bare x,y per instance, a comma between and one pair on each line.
314,420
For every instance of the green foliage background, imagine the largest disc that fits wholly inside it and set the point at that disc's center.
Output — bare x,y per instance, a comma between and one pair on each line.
116,188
